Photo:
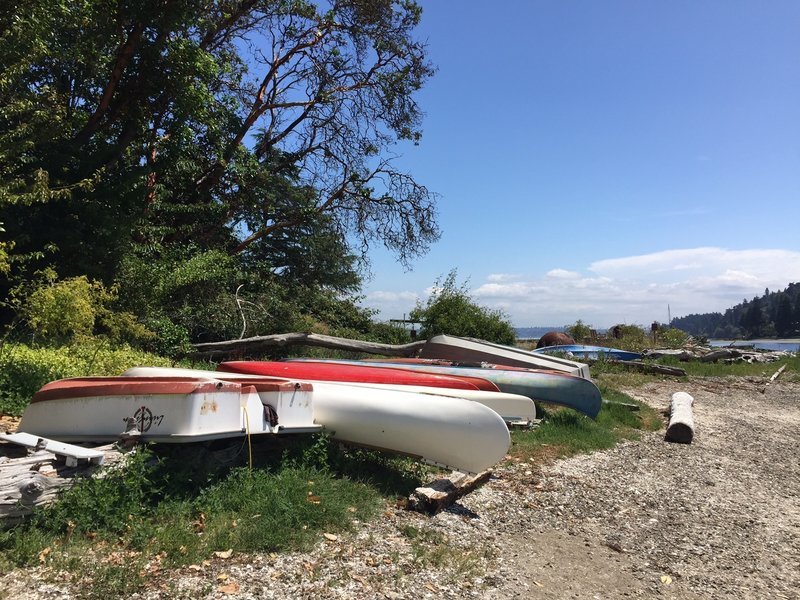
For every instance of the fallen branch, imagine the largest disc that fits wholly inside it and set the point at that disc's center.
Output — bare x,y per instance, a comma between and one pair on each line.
773,378
649,367
254,344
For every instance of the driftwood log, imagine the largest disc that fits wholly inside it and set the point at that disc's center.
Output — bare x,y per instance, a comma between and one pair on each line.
29,480
681,420
773,378
441,493
258,343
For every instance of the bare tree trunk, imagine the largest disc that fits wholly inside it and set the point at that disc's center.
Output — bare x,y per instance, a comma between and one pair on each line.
255,344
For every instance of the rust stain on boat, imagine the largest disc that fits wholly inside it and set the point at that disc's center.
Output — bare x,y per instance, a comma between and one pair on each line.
208,406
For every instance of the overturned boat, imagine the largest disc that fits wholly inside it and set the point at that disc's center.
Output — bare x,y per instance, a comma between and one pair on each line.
446,431
460,349
169,409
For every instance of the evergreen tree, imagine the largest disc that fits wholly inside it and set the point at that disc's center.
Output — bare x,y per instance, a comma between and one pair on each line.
753,319
783,317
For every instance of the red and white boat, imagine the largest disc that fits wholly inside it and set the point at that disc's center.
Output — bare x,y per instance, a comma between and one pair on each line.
168,408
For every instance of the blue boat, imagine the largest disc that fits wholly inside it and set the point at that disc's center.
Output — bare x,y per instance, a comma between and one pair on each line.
590,352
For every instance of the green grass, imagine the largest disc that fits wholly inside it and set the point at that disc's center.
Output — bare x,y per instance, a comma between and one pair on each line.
740,369
565,432
173,506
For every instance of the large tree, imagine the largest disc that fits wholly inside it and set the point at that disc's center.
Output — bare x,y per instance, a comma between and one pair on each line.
243,126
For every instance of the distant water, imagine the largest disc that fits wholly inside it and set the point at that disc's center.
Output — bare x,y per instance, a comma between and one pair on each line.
787,345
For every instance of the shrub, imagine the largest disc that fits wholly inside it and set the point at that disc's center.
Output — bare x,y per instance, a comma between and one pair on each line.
579,330
451,310
61,311
23,370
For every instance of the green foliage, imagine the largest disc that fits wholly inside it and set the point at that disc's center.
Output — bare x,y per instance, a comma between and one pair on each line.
451,310
114,504
170,339
783,317
135,149
23,370
59,311
579,330
672,337
177,511
64,309
630,337
749,318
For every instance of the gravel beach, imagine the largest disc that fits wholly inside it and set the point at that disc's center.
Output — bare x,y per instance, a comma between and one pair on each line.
717,518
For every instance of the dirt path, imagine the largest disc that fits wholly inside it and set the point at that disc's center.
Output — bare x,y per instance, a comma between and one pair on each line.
719,518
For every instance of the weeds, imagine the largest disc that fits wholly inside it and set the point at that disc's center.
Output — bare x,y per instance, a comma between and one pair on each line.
565,432
171,508
434,549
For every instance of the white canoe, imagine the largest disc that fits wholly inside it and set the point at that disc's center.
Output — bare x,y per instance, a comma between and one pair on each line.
459,349
450,432
167,409
511,407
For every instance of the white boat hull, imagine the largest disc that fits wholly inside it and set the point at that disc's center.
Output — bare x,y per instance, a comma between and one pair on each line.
450,432
209,410
511,407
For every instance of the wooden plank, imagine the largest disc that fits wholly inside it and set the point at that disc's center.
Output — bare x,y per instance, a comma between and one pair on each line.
36,479
441,493
773,378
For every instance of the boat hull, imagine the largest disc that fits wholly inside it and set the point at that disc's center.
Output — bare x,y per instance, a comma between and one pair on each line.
166,409
447,431
547,386
310,370
459,349
591,352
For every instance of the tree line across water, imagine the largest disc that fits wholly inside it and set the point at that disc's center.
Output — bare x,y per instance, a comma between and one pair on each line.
772,314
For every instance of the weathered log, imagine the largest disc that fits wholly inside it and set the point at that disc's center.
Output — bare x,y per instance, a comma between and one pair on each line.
441,493
644,367
681,420
722,354
254,344
36,479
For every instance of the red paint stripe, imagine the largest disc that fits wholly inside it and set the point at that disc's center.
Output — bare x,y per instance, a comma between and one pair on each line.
318,371
81,387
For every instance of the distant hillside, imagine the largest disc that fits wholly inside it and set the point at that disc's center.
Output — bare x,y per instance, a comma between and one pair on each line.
770,315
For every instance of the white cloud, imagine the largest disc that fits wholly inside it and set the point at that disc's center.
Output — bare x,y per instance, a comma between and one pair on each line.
502,277
633,289
391,305
562,274
639,289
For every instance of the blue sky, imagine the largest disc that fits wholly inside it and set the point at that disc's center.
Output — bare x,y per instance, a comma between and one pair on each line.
603,160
